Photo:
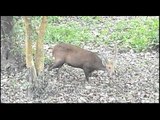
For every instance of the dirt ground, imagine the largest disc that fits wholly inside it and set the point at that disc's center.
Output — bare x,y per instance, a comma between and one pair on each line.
136,81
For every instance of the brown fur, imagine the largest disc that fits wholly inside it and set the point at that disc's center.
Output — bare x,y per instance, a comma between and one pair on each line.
77,57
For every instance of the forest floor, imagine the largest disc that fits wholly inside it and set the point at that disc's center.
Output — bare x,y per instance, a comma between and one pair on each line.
136,81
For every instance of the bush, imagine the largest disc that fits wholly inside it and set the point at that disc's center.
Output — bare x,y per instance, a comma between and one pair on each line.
68,33
139,34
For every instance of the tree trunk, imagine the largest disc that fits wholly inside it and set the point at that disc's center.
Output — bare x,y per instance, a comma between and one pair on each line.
35,69
11,60
39,61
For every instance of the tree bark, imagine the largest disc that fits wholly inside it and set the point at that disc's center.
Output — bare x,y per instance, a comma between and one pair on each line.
39,61
11,60
35,69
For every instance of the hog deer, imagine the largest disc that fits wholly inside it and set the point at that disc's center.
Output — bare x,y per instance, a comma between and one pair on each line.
79,58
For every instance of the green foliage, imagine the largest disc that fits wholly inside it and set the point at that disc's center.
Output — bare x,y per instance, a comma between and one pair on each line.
139,33
18,29
54,19
68,33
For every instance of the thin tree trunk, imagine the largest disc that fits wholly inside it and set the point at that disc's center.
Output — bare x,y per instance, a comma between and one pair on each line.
39,61
35,70
32,75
